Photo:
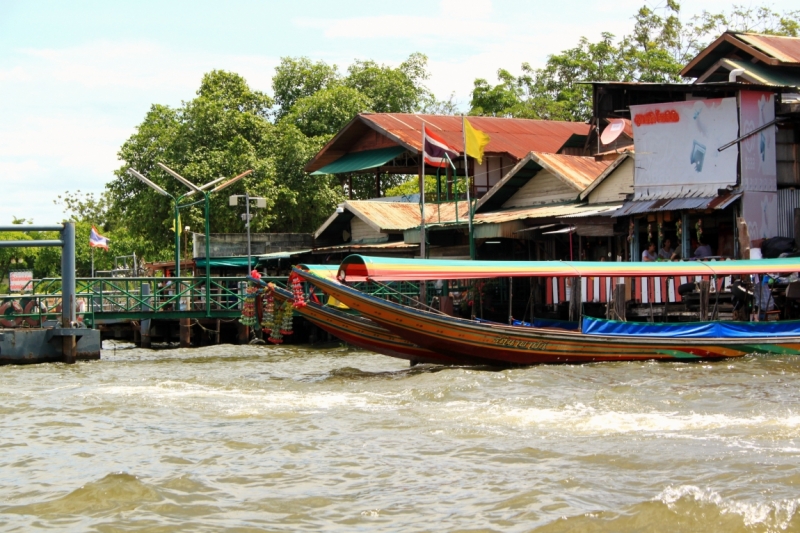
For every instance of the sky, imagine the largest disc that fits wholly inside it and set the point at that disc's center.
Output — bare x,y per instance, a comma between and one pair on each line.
76,78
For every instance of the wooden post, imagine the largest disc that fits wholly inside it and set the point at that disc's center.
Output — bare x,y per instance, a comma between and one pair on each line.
704,298
575,299
619,301
219,326
797,227
144,325
186,332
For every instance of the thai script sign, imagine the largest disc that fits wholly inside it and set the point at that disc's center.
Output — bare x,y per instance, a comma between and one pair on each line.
18,279
676,148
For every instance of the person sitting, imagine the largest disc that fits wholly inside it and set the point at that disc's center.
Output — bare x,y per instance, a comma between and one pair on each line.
649,254
702,251
666,252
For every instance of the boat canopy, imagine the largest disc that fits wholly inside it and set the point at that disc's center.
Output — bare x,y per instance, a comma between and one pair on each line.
322,271
360,268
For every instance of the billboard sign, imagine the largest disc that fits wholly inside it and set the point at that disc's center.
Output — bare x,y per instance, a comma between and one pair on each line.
676,148
18,279
759,166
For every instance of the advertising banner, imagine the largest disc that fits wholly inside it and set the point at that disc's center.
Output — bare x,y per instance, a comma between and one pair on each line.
759,168
760,211
676,148
18,279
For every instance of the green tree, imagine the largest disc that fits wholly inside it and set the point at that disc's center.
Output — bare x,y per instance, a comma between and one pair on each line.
296,78
326,111
392,90
304,201
222,132
660,44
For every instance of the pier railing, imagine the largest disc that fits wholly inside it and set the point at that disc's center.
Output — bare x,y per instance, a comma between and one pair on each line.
109,299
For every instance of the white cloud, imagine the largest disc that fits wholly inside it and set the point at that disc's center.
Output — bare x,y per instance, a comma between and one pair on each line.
66,112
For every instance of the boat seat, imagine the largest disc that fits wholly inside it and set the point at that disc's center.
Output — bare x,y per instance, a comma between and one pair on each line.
791,300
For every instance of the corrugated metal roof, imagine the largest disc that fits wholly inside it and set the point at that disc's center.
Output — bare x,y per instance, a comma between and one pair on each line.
514,136
560,211
396,216
358,248
784,49
576,171
676,204
769,49
389,216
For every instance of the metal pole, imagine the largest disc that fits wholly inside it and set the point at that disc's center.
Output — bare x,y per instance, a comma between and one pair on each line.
247,215
177,241
469,203
422,199
68,289
208,257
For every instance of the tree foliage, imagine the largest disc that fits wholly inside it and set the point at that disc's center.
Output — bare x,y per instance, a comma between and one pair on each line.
660,44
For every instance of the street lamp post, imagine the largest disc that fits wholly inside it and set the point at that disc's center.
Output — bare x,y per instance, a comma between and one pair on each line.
233,200
175,201
207,204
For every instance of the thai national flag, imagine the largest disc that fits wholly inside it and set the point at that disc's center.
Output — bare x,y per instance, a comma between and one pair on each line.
434,150
97,241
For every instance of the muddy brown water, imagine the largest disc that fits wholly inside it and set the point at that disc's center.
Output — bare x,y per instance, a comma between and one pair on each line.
274,438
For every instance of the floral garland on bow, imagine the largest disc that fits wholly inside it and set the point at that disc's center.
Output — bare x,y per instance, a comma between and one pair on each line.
248,317
297,290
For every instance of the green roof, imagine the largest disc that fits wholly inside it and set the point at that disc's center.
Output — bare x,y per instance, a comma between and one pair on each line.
361,160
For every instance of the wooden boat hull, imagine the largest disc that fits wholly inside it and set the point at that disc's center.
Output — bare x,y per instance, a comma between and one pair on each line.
366,334
524,346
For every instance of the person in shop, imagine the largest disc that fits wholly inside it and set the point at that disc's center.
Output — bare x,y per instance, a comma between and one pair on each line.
666,252
702,251
650,254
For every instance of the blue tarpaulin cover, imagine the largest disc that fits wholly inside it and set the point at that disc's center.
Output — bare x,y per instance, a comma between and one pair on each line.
696,330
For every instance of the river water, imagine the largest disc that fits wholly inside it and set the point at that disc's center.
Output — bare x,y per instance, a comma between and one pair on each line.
284,438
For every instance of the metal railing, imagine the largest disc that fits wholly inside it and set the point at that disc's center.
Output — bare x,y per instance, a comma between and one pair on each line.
127,298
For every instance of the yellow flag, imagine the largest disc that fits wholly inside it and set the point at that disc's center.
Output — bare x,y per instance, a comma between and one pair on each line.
179,224
475,140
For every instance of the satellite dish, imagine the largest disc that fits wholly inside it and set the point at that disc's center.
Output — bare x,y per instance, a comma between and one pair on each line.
614,129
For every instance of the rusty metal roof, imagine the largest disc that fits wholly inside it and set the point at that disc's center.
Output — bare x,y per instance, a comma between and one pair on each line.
513,136
633,207
362,248
783,49
577,172
396,216
769,49
560,210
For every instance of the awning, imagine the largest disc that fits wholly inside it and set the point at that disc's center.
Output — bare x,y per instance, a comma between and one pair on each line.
282,255
226,262
361,160
634,207
360,267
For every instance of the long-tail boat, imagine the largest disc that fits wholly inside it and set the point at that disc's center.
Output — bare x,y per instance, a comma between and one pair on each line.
362,332
597,339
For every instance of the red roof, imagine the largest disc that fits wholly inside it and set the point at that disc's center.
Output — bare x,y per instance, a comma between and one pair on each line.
516,137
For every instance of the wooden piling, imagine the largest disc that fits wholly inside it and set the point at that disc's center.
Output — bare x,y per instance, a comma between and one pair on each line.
186,332
705,287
